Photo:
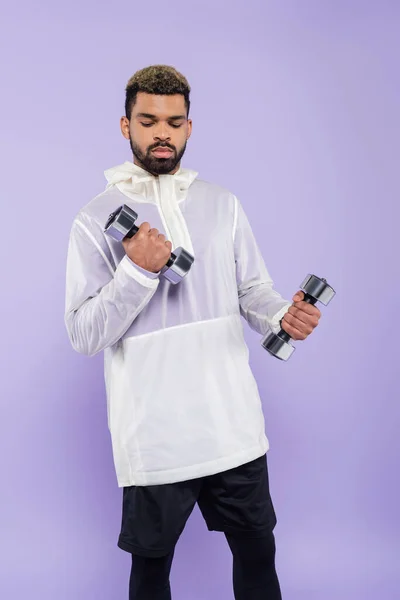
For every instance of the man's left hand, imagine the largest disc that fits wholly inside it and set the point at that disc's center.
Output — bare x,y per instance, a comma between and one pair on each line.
301,319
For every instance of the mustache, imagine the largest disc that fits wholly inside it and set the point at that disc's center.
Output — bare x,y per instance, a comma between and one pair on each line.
161,146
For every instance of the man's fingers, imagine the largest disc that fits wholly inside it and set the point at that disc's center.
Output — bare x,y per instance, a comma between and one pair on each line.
153,232
144,228
305,317
306,307
298,296
294,333
299,327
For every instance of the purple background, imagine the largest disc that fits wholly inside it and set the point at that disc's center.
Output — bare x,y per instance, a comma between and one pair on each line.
296,110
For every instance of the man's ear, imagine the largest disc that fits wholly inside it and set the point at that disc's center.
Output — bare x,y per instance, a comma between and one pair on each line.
124,124
189,128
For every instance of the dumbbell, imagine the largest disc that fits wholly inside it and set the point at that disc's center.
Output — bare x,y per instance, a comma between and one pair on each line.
315,290
121,224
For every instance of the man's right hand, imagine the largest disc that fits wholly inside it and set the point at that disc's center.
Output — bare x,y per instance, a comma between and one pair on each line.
148,248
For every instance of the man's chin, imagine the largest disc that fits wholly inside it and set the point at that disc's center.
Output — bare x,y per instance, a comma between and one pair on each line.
161,166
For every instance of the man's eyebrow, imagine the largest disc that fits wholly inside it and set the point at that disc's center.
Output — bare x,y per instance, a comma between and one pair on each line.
155,118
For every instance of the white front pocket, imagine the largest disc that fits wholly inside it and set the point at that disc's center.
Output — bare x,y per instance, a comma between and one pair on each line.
186,395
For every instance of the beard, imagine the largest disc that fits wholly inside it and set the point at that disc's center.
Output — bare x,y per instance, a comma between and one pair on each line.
157,166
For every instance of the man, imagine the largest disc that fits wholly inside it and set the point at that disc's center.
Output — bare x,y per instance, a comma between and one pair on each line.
184,412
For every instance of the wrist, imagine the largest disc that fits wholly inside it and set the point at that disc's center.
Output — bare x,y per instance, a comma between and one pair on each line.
151,274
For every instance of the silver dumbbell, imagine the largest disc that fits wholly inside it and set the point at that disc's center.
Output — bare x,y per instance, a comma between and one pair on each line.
315,290
121,224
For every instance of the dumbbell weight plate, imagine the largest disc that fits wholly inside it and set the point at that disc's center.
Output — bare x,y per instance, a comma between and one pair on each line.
175,270
318,288
277,346
121,222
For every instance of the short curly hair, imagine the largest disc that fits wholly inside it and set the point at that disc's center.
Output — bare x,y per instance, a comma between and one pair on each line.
156,79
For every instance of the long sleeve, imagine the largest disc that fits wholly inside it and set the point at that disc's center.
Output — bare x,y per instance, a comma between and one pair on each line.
260,304
101,301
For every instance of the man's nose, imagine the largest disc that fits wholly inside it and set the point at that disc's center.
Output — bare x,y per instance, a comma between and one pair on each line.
161,132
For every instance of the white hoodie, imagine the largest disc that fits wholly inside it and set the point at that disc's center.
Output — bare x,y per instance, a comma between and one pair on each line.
182,401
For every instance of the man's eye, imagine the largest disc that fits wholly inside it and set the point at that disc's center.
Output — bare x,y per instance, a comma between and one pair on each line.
175,126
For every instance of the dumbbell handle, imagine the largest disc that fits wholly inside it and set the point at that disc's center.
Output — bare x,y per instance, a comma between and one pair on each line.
134,229
284,334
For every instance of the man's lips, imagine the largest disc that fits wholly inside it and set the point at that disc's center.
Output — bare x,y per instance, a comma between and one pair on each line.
162,152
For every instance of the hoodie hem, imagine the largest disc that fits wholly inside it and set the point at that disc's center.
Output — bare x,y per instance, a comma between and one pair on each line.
195,471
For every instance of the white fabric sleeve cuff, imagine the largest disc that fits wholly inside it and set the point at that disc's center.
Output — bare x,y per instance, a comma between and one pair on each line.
143,277
274,325
144,271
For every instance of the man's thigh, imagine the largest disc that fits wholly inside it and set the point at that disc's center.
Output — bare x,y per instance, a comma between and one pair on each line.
153,517
238,500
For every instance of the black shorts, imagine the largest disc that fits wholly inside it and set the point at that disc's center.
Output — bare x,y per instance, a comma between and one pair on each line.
235,501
